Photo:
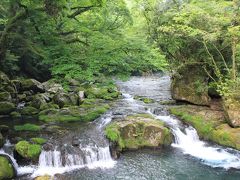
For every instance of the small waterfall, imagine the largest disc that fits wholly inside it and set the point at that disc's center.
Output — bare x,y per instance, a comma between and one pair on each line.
55,162
187,139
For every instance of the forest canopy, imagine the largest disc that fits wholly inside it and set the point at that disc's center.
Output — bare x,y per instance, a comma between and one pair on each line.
74,39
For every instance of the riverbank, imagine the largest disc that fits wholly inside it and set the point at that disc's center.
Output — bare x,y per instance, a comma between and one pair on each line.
210,123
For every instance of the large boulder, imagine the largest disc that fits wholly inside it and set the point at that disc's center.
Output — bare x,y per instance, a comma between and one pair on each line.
32,84
64,99
53,87
29,111
190,84
6,168
232,113
138,131
5,96
6,108
39,100
5,84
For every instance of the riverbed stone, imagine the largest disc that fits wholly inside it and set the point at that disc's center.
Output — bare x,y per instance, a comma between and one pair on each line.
53,87
15,114
64,99
6,168
6,108
138,131
29,111
232,111
4,129
190,84
5,84
39,100
32,84
27,150
46,177
5,96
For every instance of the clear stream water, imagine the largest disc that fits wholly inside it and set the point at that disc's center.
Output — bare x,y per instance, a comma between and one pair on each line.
187,158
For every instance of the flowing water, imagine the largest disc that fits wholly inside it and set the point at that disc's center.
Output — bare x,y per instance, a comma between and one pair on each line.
187,158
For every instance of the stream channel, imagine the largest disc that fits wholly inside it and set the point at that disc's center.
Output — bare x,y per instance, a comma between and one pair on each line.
187,158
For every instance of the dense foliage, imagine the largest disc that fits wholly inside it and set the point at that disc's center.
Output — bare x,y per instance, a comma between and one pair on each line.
73,39
205,32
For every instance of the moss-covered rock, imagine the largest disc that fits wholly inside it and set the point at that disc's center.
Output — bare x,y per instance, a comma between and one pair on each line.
6,108
73,113
32,84
144,99
39,141
27,127
15,114
4,129
53,87
29,111
190,84
5,96
138,131
39,100
210,125
27,150
6,168
5,84
46,177
64,99
232,113
49,106
105,92
1,140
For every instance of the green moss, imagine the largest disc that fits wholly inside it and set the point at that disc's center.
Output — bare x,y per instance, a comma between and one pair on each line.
29,111
27,127
39,141
27,150
6,168
144,99
112,132
6,108
133,132
48,106
75,115
102,92
205,129
15,114
148,100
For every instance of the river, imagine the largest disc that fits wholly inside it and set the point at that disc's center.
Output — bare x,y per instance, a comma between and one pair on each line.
187,158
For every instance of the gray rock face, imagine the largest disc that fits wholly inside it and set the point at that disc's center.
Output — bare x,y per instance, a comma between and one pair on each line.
63,99
232,113
32,84
190,84
52,87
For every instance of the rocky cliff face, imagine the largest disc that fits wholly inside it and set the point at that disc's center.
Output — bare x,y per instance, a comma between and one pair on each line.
190,84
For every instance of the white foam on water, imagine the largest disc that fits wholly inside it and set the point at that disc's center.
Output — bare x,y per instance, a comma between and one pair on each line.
190,144
52,162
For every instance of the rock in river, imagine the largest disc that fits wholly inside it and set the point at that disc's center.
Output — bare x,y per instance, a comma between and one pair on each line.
138,131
